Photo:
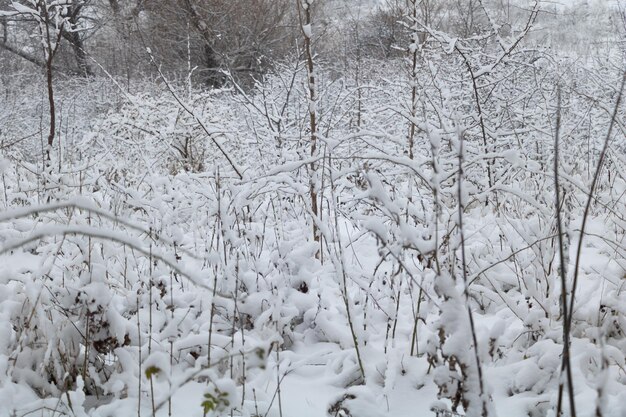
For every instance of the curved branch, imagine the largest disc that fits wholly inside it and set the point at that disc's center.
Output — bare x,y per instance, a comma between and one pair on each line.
34,59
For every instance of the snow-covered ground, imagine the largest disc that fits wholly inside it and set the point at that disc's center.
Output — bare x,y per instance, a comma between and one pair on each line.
204,259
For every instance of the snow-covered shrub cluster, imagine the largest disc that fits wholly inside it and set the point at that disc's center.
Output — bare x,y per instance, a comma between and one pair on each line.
172,262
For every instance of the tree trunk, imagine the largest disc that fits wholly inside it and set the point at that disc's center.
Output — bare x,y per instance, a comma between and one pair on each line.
78,46
211,58
305,25
79,53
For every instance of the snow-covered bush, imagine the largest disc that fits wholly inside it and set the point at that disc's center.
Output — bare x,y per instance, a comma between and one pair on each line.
151,276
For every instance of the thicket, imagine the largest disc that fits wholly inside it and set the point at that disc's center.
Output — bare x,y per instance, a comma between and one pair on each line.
446,222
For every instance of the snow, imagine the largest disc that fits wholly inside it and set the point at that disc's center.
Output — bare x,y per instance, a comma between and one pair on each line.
307,31
141,273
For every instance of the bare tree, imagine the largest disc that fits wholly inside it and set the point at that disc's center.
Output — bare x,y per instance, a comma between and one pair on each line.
63,18
304,13
242,38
